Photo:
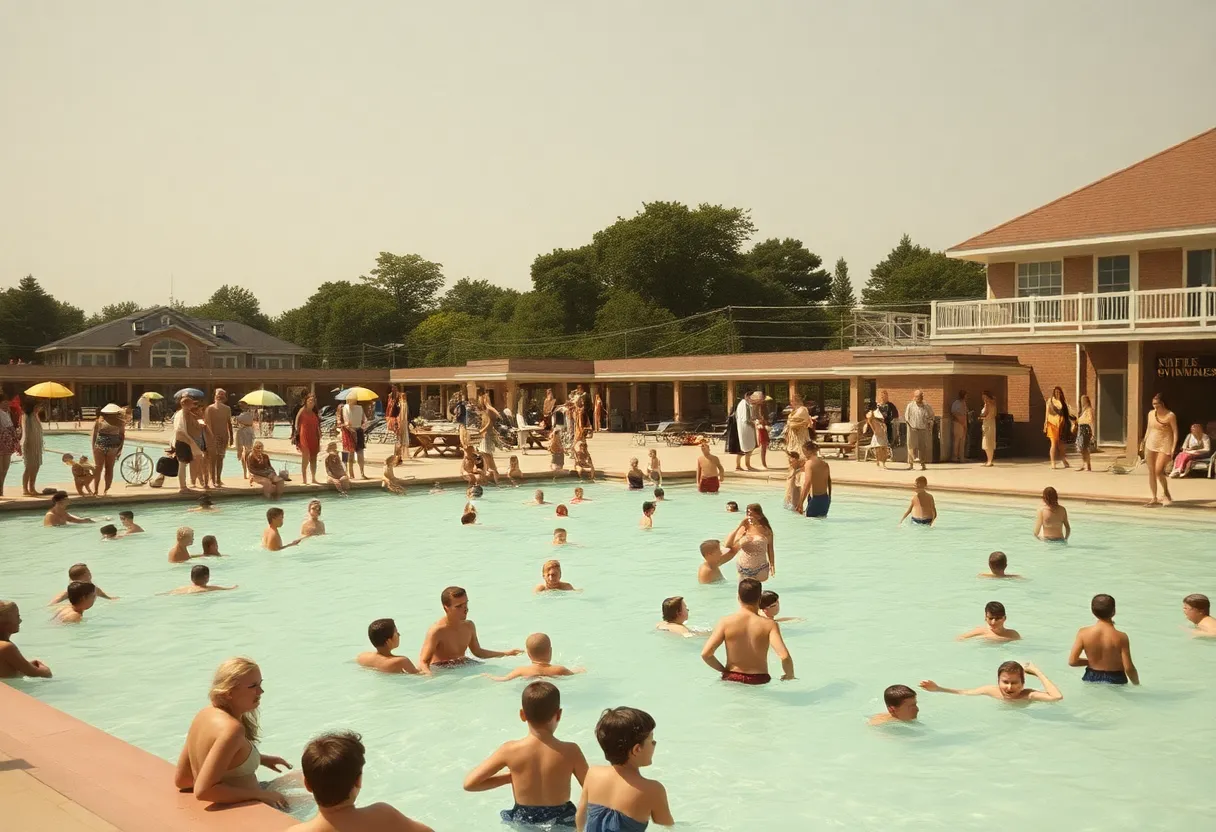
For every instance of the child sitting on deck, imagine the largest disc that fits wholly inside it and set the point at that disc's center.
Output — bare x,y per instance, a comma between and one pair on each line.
654,471
388,479
514,475
582,461
335,471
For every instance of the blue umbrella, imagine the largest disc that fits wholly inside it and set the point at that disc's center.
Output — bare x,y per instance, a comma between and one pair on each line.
190,392
341,395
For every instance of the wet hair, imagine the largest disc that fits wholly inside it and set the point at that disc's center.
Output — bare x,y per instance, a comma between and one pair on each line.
659,493
224,682
647,506
1103,607
477,491
452,593
80,590
1051,497
896,695
710,547
994,608
620,730
749,591
540,702
183,532
205,501
552,562
332,765
671,607
380,631
997,560
77,571
312,503
58,497
209,540
200,573
126,515
1198,602
559,530
468,518
538,643
1011,667
732,505
561,510
272,513
755,509
921,481
109,530
768,598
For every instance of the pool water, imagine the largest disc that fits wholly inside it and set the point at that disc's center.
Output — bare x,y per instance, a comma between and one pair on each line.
882,604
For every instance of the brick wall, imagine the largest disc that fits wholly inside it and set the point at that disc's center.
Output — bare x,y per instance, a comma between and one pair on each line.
199,351
1002,280
1161,269
1078,275
1106,356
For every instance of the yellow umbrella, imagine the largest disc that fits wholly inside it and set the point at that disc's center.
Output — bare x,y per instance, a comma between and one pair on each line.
361,394
152,395
49,390
262,398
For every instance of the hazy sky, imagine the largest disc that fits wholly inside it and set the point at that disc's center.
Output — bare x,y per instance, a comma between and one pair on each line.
282,144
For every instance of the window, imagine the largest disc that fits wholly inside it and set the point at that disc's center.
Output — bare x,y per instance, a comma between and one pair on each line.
1199,268
1115,273
95,359
1041,278
170,353
225,362
272,362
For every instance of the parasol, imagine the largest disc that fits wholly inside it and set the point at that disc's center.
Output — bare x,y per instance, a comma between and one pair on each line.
262,398
49,390
191,393
362,394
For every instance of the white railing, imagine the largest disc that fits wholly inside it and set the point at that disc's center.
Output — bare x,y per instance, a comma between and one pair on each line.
1193,308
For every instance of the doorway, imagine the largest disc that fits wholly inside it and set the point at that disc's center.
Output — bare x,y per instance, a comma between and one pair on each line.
1112,407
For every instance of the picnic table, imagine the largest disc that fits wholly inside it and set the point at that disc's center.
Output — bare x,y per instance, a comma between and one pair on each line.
444,444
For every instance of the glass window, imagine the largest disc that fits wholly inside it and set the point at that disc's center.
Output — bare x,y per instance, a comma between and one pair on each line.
169,353
95,359
224,362
268,362
1115,273
1041,278
1199,268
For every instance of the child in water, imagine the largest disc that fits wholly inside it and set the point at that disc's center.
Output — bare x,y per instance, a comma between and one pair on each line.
997,564
335,471
1010,685
922,508
514,475
994,628
654,471
617,796
647,521
578,497
540,651
551,571
79,572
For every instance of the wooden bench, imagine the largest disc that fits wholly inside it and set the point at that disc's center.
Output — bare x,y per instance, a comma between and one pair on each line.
445,444
841,437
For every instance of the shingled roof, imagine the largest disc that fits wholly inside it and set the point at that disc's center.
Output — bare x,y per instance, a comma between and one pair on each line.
120,332
1171,191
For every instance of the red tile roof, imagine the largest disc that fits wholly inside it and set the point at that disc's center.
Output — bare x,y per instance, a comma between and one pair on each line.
1175,189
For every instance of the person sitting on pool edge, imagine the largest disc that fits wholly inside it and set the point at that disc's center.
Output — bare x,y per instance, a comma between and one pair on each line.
81,596
539,766
770,607
449,638
127,518
59,515
12,663
1051,522
333,773
383,635
675,617
271,539
1108,652
1010,685
994,629
997,564
1198,610
80,572
551,571
540,652
617,796
200,577
923,508
901,706
647,521
313,525
748,637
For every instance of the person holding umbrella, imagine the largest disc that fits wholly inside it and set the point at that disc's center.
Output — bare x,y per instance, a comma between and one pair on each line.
109,434
350,423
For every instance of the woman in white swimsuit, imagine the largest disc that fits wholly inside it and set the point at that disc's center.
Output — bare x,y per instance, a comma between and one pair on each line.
754,537
220,758
1160,441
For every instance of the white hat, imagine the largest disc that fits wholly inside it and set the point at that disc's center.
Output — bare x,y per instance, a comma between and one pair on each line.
111,408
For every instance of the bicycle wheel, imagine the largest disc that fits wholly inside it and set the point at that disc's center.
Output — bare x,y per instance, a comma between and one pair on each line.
136,468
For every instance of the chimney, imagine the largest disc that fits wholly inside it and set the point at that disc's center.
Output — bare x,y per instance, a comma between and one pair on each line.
217,329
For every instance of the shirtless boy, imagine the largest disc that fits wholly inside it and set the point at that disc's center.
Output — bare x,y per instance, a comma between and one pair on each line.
211,546
675,617
538,499
770,607
333,773
1051,523
81,596
1010,685
540,651
922,508
58,515
559,537
994,629
200,577
514,474
313,525
748,637
816,493
710,472
1198,610
1108,652
79,572
127,518
997,564
180,553
452,636
648,509
551,571
217,419
384,637
578,497
539,766
617,796
901,706
713,556
271,539
109,532
12,663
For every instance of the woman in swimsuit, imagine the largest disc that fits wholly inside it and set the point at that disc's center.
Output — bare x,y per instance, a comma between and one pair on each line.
109,433
262,473
308,437
1160,441
220,758
1056,426
489,438
754,537
244,419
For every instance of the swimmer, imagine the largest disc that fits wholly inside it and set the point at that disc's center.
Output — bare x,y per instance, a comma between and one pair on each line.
514,474
816,494
1010,685
1051,523
732,507
539,766
578,497
127,518
80,572
204,504
770,607
211,547
540,651
710,472
335,472
109,532
654,471
923,508
617,796
647,521
748,637
469,516
997,564
81,596
538,499
313,525
59,515
659,495
180,552
559,537
1198,610
474,492
1108,652
452,636
557,454
12,663
200,577
994,629
385,638
675,617
333,774
388,477
901,706
561,511
634,478
551,571
271,539
713,556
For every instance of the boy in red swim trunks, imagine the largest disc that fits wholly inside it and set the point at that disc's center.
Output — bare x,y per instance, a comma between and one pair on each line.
748,637
709,470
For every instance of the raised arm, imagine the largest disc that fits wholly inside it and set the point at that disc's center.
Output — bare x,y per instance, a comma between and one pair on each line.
1125,652
711,646
1050,692
486,775
1075,658
776,642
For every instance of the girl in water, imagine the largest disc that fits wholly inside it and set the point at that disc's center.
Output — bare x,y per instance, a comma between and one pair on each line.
792,485
754,537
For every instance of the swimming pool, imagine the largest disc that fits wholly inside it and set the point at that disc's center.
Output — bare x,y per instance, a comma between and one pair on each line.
882,605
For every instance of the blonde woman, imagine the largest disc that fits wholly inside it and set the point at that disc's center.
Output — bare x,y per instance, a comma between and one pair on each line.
1085,432
220,758
988,427
797,424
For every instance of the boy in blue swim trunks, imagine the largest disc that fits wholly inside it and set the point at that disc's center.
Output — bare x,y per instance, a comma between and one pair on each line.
1108,652
616,797
816,483
923,508
539,766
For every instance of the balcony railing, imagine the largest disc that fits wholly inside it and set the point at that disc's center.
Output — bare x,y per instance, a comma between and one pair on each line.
872,328
1191,309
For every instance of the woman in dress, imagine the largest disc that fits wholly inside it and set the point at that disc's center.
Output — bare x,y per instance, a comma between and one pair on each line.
220,759
793,483
489,434
31,446
308,438
109,433
1056,426
797,424
754,537
880,443
243,417
1160,440
1085,433
988,427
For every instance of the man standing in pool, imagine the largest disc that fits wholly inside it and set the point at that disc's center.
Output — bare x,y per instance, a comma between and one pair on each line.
1108,652
452,636
709,470
748,636
816,483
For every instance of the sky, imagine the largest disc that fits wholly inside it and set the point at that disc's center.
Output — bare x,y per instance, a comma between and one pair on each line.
150,146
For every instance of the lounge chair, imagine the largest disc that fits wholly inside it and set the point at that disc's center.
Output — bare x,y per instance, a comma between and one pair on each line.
662,432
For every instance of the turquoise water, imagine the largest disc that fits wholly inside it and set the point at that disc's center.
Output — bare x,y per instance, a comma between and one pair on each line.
882,605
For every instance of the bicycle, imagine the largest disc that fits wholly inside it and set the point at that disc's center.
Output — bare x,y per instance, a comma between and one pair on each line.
137,467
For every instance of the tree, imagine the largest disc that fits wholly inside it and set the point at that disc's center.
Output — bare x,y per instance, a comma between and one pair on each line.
30,318
534,329
841,301
411,282
569,276
441,339
233,303
790,264
912,285
338,320
633,326
69,319
477,298
112,312
878,288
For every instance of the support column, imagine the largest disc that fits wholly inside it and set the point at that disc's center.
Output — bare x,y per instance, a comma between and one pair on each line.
854,400
512,396
130,394
1135,395
730,397
793,389
675,401
633,398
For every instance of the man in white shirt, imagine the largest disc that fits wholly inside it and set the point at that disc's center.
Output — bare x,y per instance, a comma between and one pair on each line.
185,442
919,418
350,423
958,426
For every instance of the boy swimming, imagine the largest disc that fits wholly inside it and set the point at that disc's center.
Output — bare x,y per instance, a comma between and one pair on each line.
713,556
271,539
617,796
770,607
109,532
659,495
180,551
1108,652
127,518
81,596
1010,685
997,564
552,574
647,521
578,497
514,474
449,638
675,617
901,706
1198,610
385,638
540,651
922,508
732,507
12,663
211,546
80,572
313,525
559,537
994,629
200,581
